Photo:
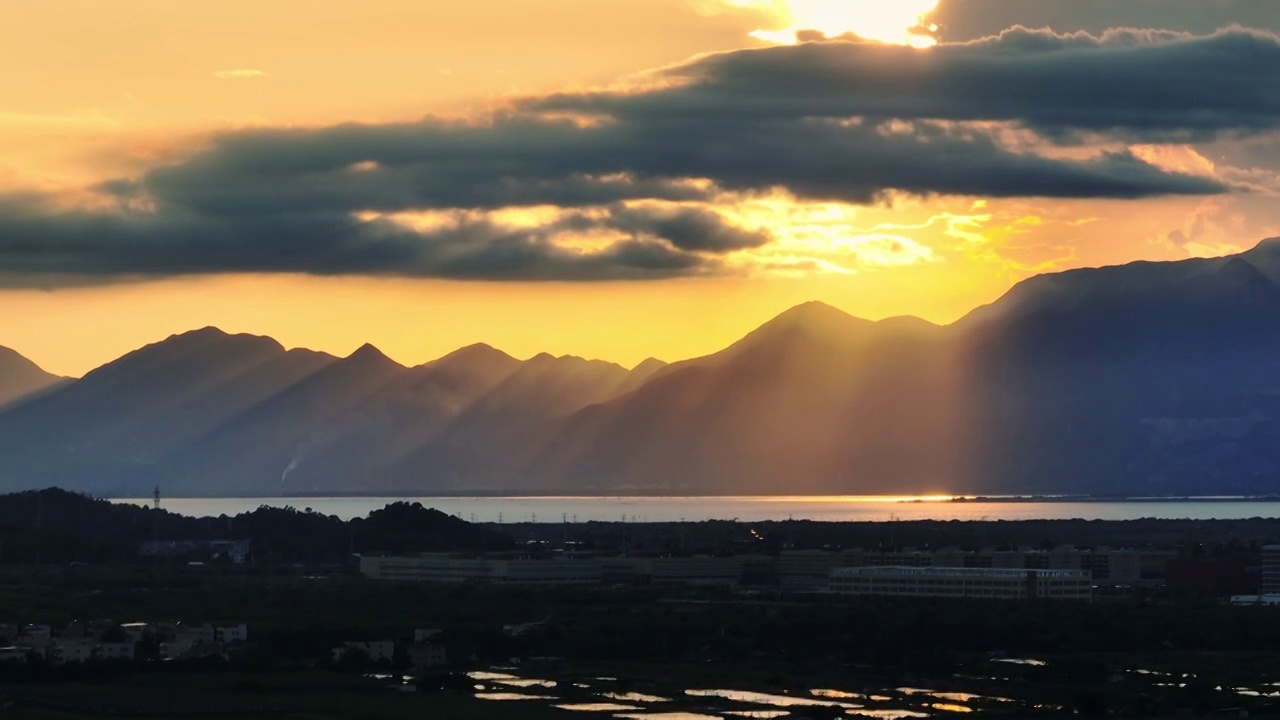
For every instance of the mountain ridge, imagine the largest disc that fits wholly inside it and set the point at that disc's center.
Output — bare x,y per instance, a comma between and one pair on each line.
1159,378
21,379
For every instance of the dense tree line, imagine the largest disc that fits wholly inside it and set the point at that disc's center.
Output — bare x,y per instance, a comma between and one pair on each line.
53,526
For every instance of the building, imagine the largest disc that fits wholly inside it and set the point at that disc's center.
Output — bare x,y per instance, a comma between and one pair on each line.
978,583
115,651
428,567
1271,570
72,650
232,633
1268,600
196,634
136,632
427,656
422,636
377,650
234,551
807,568
556,571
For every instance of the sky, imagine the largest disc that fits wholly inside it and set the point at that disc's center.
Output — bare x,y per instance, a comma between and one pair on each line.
616,180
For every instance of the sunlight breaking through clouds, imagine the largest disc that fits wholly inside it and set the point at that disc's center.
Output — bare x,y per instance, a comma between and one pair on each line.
899,22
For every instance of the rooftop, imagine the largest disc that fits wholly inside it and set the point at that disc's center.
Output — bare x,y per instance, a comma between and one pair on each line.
958,572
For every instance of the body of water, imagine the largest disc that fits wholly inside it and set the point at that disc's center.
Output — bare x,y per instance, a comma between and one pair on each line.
694,509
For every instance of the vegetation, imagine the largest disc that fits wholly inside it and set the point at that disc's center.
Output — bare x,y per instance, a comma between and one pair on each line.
54,526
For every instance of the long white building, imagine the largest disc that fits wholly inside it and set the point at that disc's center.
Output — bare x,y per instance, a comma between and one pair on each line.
445,568
958,582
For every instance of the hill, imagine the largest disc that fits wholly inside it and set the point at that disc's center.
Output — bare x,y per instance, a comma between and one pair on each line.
21,379
56,526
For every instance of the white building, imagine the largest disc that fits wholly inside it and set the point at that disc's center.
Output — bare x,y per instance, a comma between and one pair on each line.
425,656
72,650
426,635
196,634
557,571
984,583
1269,600
136,632
232,633
115,651
376,650
428,567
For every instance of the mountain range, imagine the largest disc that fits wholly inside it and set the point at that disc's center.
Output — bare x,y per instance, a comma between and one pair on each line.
21,379
1145,379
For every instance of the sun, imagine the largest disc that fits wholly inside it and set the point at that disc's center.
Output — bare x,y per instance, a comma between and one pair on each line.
900,22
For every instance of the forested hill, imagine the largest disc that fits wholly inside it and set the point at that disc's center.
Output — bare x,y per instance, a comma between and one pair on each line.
55,526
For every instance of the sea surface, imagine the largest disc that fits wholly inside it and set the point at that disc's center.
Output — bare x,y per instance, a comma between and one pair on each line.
695,509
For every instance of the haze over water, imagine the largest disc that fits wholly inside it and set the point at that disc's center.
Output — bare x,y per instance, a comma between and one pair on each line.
696,509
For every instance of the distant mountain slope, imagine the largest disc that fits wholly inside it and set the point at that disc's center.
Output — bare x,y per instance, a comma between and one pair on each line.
20,378
1159,378
256,451
489,445
381,430
1148,378
110,430
781,411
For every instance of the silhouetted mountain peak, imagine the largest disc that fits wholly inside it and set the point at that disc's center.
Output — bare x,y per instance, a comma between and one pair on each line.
20,378
213,336
369,355
11,360
207,331
649,366
813,320
478,355
814,312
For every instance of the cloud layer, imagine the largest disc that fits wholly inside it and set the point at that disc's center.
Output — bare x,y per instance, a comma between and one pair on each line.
637,173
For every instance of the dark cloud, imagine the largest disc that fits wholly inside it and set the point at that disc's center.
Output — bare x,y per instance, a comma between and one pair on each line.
969,19
37,243
1138,83
688,229
838,121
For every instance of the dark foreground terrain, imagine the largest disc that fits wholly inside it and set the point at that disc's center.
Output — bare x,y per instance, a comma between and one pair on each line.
684,647
1155,649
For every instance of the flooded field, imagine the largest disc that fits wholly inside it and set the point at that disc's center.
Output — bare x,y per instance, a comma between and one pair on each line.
1018,692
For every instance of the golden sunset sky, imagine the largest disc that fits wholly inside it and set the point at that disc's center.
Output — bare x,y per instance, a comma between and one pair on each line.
427,175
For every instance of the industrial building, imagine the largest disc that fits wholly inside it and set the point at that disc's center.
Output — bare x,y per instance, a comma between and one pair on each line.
1111,570
960,582
1271,570
1129,568
558,570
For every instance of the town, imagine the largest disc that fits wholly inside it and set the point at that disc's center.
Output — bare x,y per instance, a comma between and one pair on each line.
1061,573
104,640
